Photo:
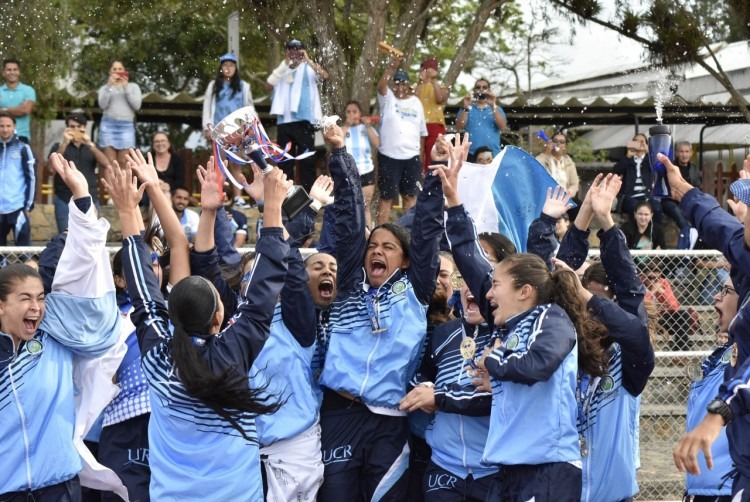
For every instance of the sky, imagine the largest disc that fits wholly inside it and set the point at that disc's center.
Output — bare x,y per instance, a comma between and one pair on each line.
594,47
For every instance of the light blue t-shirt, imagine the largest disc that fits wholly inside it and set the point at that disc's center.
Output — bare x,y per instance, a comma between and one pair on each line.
227,103
10,98
483,131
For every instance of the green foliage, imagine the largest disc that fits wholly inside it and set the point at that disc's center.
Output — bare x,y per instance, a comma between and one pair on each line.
39,35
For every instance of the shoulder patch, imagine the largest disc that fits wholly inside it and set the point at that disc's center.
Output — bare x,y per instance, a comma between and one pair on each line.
398,287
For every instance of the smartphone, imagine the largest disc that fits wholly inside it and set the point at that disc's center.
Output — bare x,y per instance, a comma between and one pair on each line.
480,95
122,74
78,134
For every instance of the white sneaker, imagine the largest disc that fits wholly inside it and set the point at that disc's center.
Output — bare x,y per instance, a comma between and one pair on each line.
240,202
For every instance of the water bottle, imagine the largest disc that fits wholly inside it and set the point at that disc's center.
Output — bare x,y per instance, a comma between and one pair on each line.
660,141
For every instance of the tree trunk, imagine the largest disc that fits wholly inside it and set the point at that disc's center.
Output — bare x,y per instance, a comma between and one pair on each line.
367,63
464,51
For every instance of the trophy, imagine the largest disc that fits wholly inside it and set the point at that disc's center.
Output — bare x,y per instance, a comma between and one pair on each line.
243,140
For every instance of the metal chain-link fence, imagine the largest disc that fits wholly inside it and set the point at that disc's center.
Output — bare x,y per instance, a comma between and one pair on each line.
682,286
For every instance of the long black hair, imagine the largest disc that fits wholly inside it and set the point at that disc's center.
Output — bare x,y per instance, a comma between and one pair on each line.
192,305
234,83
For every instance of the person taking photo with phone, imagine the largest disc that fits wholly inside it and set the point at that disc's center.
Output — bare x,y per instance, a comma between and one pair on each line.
119,99
482,118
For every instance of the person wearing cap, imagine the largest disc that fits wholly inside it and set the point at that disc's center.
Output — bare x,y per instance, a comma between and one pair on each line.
482,118
433,96
76,147
224,95
402,132
729,408
296,104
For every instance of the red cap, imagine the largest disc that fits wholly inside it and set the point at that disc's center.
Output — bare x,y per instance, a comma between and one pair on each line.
430,63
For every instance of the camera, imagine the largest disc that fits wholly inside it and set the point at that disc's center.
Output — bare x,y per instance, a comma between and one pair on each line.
480,95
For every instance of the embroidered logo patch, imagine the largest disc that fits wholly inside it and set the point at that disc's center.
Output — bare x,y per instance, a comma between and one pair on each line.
607,383
727,356
512,342
398,287
34,347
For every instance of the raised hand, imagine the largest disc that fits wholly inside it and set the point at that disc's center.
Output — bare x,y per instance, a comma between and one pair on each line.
123,188
254,189
334,136
557,203
211,180
441,149
275,188
322,190
602,199
676,182
73,178
144,169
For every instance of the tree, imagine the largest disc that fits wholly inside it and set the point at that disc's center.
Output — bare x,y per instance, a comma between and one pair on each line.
672,33
345,33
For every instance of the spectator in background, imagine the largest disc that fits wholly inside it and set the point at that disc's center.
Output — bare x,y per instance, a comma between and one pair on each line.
119,100
559,165
76,147
237,222
683,152
637,178
296,104
361,139
676,321
224,95
482,118
402,129
17,99
170,166
17,183
483,155
188,219
433,95
641,232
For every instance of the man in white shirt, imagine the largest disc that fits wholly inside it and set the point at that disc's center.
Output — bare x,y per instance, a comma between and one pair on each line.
402,133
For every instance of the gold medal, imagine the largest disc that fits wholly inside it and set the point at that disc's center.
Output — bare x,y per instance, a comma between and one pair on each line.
468,348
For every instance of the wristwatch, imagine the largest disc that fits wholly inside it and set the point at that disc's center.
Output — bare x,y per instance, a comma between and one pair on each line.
720,407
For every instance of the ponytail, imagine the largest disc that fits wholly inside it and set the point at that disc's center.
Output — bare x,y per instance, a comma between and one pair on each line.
228,394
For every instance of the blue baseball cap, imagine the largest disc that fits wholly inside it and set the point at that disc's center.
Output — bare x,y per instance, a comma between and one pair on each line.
228,57
401,76
741,190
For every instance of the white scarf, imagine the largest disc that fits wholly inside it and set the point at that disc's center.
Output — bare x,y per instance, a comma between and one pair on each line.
289,91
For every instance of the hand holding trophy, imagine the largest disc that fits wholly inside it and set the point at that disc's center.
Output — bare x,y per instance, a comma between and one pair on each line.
243,140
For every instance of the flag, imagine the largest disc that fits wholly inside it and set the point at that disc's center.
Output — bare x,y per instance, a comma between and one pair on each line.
506,195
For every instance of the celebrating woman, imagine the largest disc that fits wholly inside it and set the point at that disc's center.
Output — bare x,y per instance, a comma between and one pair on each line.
39,340
201,401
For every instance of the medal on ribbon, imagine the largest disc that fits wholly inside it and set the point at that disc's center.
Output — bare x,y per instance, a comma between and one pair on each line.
583,445
468,348
372,301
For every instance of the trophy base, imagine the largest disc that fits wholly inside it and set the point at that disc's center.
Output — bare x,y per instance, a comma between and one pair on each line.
296,201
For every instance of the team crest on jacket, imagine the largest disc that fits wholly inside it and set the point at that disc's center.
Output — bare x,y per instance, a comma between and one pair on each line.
728,356
512,342
34,347
607,383
398,287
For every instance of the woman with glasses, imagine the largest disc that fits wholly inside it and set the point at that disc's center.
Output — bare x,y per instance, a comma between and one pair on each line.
713,484
482,118
558,163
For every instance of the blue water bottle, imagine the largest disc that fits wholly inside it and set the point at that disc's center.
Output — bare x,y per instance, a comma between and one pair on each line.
660,141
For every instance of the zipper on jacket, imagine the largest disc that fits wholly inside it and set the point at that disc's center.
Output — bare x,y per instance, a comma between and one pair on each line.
22,417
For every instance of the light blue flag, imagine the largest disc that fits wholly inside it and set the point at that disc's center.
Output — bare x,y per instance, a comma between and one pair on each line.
507,195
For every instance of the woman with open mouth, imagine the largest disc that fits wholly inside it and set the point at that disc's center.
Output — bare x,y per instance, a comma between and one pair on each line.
608,402
377,331
41,335
530,368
